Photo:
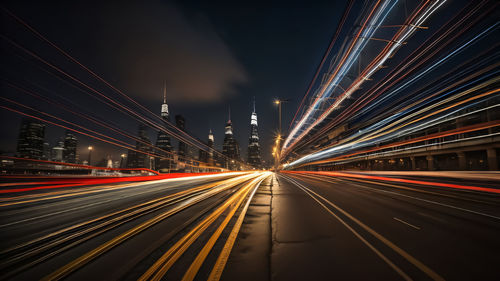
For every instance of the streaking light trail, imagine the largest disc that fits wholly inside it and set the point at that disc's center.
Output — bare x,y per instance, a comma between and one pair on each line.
352,54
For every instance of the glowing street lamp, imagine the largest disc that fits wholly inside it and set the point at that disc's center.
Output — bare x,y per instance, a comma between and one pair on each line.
276,154
90,154
279,102
123,156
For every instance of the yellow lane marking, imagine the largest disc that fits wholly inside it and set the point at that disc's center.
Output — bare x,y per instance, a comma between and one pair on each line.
218,268
195,266
384,240
82,260
163,264
200,258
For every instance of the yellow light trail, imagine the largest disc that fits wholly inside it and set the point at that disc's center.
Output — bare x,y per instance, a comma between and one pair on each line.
95,189
163,264
84,259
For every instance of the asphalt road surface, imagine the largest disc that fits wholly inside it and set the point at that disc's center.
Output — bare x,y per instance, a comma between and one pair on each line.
254,226
340,228
152,230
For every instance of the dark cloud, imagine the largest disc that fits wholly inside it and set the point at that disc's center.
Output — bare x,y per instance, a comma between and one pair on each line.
152,43
136,46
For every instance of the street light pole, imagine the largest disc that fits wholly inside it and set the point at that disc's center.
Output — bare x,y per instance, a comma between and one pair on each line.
90,154
276,149
121,161
279,109
278,102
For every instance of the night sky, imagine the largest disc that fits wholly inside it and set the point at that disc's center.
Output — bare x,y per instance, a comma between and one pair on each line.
212,55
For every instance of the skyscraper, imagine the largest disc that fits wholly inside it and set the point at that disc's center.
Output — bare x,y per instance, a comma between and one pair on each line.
208,157
70,143
57,153
183,165
230,147
31,138
211,141
164,163
180,122
140,158
253,142
46,151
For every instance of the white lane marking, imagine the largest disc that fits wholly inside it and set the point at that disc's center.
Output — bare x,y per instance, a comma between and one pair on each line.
359,236
408,224
433,275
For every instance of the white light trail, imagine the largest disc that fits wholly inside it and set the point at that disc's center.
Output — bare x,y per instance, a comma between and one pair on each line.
402,36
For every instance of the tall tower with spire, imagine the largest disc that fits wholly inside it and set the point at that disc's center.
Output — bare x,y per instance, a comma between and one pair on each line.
230,147
253,142
164,163
208,157
164,107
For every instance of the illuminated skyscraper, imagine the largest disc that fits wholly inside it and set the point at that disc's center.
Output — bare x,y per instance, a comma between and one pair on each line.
211,141
46,151
31,138
180,122
183,165
70,143
164,163
253,142
230,147
58,150
208,157
140,157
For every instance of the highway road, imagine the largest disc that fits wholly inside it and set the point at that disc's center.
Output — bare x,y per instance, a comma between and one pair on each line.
256,226
146,230
345,228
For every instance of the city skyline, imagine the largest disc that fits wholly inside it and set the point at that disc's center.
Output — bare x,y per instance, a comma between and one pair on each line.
67,146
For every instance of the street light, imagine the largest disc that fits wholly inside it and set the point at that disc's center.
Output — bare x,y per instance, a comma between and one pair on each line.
276,150
90,153
121,160
152,163
279,102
